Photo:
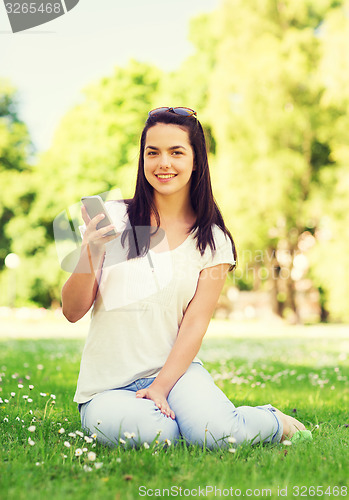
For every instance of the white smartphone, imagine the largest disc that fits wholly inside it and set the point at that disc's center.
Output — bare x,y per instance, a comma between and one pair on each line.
94,206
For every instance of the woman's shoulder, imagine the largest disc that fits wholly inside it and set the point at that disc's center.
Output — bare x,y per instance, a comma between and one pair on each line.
117,210
116,205
219,236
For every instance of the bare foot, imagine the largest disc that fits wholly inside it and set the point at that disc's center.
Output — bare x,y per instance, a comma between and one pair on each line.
291,425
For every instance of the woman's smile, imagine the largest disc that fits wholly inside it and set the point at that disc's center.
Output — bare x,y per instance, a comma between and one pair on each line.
165,177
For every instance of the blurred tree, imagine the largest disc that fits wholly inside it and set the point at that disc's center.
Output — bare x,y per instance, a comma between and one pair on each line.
15,173
329,258
274,133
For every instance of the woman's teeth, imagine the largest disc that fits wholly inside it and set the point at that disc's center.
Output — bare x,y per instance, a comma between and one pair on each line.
165,176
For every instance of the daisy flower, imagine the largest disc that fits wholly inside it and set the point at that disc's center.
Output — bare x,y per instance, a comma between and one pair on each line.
91,456
231,439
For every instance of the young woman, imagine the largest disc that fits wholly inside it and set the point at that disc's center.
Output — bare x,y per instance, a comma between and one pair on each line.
154,288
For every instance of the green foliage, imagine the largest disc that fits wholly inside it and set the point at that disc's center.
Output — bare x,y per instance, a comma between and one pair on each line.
15,173
276,128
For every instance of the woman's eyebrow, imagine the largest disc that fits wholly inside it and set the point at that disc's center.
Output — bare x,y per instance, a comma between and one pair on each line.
170,149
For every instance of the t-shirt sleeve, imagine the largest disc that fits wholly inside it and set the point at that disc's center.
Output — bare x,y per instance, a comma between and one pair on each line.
82,230
223,253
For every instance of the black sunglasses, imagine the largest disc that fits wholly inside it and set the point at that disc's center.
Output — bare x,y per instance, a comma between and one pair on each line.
177,111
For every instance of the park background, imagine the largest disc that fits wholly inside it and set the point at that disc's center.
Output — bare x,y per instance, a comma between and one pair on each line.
269,83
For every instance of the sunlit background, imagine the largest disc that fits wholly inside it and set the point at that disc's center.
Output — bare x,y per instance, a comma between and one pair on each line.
269,82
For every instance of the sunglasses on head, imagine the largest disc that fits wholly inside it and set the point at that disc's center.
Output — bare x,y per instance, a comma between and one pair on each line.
177,111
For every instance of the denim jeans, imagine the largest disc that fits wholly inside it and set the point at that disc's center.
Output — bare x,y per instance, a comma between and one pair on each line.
204,415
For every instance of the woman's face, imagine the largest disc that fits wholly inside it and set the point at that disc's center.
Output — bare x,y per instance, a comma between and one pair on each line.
168,159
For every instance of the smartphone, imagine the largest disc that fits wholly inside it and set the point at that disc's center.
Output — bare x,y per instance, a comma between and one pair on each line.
94,206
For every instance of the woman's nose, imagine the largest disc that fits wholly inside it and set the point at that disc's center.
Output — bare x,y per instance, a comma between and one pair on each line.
164,161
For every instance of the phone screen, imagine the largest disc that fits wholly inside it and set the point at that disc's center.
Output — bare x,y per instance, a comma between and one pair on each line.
95,206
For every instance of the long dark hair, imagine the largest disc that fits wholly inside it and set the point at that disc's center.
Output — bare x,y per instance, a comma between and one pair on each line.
140,207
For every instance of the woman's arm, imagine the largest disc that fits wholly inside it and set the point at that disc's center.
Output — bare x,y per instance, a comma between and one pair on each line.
79,291
191,332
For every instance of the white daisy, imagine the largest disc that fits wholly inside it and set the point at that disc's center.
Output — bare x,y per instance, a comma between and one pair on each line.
231,439
91,456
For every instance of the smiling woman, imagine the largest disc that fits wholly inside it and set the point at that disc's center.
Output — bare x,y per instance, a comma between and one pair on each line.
154,289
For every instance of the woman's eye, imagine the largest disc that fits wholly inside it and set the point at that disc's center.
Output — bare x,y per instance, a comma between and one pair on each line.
177,152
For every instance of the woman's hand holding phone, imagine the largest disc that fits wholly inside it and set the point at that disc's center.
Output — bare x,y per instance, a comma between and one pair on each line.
96,239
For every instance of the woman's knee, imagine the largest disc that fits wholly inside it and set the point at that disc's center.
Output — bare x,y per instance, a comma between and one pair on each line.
211,434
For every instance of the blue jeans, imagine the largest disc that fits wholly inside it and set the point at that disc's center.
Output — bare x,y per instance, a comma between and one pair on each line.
204,415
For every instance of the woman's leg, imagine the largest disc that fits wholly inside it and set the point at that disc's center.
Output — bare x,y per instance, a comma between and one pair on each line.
113,413
205,414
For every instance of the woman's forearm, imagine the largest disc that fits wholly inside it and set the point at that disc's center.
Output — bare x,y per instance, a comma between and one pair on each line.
80,290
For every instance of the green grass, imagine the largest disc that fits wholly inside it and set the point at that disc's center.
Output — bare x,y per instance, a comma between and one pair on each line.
306,376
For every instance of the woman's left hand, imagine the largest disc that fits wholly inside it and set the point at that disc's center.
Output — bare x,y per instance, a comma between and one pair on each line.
159,399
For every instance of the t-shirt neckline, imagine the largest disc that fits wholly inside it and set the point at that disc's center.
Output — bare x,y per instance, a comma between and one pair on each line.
187,239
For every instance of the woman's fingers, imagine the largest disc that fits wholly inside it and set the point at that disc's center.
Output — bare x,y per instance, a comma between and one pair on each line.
103,231
162,404
85,216
96,236
166,410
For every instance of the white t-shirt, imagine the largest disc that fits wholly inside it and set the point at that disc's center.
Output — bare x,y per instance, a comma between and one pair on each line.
139,307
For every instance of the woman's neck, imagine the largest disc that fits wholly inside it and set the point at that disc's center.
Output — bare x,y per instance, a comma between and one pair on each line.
173,209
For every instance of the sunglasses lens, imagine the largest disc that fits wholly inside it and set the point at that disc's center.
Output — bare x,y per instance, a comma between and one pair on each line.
157,110
178,111
184,111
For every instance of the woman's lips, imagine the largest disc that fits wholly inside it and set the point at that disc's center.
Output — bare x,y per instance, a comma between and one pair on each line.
165,177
